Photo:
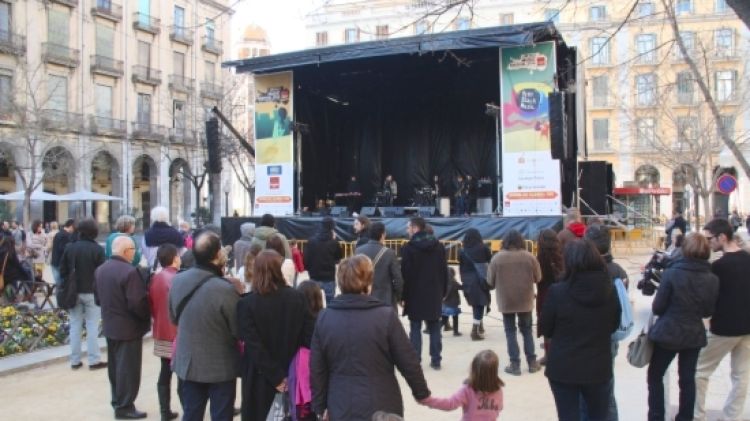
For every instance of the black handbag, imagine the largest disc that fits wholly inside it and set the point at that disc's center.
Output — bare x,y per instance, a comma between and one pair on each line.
67,293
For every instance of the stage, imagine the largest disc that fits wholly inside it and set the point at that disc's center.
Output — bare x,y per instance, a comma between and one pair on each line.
491,227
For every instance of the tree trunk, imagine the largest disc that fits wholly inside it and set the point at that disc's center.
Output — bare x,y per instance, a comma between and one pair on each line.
697,210
26,208
706,196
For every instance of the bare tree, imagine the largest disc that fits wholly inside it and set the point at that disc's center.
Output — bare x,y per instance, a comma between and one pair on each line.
37,117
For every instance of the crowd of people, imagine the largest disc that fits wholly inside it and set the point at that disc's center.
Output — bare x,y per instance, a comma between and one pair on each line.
299,348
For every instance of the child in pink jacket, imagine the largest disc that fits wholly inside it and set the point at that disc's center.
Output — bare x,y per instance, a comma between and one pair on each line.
481,396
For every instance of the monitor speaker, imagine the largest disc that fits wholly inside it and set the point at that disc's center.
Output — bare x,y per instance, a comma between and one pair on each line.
339,211
368,210
426,211
213,146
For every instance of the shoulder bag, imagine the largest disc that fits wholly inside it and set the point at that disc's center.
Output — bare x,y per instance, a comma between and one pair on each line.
640,350
2,273
480,268
184,302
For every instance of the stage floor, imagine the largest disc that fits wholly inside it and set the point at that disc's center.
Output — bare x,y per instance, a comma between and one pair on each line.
491,227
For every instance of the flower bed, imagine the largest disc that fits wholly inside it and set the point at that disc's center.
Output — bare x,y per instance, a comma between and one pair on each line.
25,330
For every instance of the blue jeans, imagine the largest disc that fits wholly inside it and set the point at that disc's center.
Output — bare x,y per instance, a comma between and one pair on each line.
436,340
196,395
329,289
56,275
478,312
568,400
87,310
687,362
524,325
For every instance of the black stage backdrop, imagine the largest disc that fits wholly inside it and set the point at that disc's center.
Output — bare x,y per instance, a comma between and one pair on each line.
413,116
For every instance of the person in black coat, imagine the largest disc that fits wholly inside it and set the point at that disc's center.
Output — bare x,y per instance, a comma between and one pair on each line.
425,271
274,322
579,316
549,256
17,278
321,255
687,294
476,292
78,263
361,229
358,341
59,242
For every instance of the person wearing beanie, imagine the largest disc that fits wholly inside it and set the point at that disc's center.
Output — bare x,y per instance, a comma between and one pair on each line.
322,253
266,229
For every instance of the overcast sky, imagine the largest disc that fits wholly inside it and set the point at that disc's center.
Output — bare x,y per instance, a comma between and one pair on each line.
282,19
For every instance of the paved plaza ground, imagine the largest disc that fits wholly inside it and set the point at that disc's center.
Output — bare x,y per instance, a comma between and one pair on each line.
50,390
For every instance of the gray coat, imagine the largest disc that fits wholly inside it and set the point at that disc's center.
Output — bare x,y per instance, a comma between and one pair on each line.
242,246
387,283
206,348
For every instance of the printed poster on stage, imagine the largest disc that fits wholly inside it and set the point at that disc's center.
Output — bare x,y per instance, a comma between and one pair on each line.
274,153
531,178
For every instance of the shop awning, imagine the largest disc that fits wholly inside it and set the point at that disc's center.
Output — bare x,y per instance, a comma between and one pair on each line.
635,191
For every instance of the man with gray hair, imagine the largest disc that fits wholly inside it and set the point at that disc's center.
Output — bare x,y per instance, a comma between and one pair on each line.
125,225
160,233
126,317
203,304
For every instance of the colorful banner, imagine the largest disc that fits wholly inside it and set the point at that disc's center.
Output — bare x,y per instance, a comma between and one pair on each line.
531,178
274,144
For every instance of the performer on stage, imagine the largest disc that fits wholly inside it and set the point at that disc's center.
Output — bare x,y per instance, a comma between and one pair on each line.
353,186
390,188
436,190
355,193
462,191
471,194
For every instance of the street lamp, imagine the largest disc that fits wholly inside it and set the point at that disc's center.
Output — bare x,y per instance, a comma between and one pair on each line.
227,188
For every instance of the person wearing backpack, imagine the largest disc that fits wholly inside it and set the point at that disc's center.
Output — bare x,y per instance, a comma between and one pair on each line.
387,283
687,294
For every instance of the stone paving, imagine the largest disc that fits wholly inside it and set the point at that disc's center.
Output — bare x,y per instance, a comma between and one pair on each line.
41,386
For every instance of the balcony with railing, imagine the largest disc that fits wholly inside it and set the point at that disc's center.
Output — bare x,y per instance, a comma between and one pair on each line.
146,23
107,10
181,34
11,43
212,45
146,75
69,3
211,90
60,54
105,126
147,131
107,66
180,83
181,135
61,120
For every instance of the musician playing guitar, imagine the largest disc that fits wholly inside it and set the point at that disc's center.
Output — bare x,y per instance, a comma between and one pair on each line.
390,188
461,195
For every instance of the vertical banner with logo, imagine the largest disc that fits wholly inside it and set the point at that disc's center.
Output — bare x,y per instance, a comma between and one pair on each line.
274,144
531,178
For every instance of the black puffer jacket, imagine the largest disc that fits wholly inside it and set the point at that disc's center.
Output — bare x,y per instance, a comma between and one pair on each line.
321,255
686,295
579,316
358,340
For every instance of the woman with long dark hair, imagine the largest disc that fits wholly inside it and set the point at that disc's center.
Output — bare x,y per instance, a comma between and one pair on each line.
474,254
579,317
274,322
361,229
549,255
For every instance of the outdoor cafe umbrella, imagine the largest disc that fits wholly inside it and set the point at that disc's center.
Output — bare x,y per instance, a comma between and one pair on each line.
37,196
88,196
